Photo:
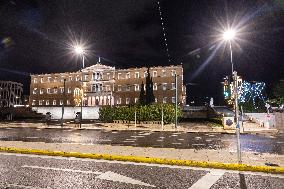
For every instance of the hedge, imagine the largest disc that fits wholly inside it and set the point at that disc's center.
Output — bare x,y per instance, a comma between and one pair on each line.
151,112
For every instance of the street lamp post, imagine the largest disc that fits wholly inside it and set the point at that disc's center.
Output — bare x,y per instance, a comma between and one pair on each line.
229,35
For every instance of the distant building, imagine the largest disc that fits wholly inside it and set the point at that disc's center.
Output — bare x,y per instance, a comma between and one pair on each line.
228,89
10,93
100,85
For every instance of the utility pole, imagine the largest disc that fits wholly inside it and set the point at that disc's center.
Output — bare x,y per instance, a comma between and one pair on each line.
237,117
162,117
176,101
64,82
82,93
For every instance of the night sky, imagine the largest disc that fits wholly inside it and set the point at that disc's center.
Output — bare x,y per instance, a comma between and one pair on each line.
128,33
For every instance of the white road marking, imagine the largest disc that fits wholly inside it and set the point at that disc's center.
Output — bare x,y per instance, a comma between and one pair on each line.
137,136
198,144
176,143
111,176
120,178
23,186
59,169
208,180
180,139
141,164
32,137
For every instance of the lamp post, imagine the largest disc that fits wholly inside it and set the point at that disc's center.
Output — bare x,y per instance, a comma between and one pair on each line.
79,50
228,36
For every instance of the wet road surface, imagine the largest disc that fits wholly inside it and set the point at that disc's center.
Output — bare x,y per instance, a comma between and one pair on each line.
179,140
45,172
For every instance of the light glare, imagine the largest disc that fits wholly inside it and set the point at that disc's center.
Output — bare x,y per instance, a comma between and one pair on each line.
229,34
79,50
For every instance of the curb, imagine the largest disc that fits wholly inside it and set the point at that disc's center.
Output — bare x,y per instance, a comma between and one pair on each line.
150,160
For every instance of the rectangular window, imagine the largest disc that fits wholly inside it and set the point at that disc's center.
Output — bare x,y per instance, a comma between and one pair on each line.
35,80
48,79
40,102
128,75
136,74
173,99
173,72
155,87
145,74
154,73
55,79
34,91
54,102
41,91
118,87
55,90
69,90
173,86
61,90
77,78
119,76
164,73
41,80
86,77
47,102
156,100
61,102
136,87
127,87
118,101
48,90
164,99
34,102
127,100
68,102
70,78
108,76
136,100
164,86
107,88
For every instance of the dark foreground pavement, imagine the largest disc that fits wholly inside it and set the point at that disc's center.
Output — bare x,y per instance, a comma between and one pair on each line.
270,143
30,171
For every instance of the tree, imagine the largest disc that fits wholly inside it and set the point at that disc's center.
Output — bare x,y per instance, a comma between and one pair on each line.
150,98
278,92
142,95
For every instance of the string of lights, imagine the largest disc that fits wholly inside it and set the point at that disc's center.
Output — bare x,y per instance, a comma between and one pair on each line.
164,32
248,91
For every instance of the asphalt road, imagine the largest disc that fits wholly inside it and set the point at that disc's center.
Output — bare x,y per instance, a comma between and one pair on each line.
179,140
37,172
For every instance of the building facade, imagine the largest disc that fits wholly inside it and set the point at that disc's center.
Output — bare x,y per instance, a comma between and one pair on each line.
100,85
10,93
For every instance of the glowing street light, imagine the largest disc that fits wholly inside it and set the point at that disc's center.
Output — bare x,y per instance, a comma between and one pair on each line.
79,50
229,34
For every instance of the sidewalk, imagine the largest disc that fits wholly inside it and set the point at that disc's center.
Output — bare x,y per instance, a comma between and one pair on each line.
222,155
182,127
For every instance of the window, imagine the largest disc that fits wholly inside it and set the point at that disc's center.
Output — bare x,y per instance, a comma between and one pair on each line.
108,75
173,72
118,101
34,91
69,90
47,102
173,86
48,90
127,87
156,100
136,74
48,79
41,80
136,100
61,102
107,88
128,75
35,80
164,99
164,86
54,102
155,87
68,102
118,87
40,102
164,73
86,77
55,79
154,73
70,78
55,90
77,78
173,99
61,89
136,87
145,74
62,79
119,76
127,100
34,102
41,91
